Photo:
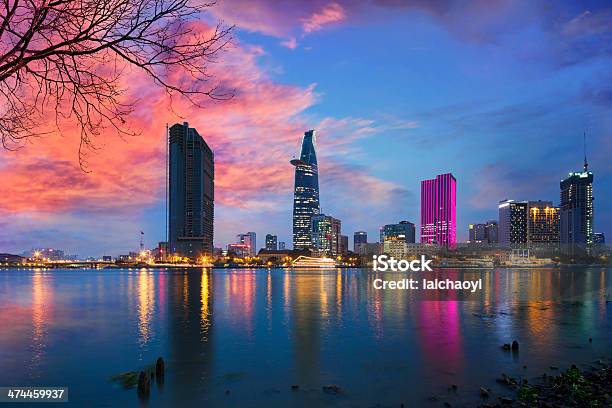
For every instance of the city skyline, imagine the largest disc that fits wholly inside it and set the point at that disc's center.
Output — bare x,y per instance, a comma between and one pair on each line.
506,123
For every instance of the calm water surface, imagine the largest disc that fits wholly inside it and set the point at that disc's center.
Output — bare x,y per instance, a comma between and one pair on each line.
257,332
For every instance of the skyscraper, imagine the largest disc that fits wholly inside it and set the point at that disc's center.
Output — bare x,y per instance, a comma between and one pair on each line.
343,245
403,231
483,233
326,231
250,240
271,242
577,207
542,223
439,210
190,192
360,239
306,192
477,234
513,222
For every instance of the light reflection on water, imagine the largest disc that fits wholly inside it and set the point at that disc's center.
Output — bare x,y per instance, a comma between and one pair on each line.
257,332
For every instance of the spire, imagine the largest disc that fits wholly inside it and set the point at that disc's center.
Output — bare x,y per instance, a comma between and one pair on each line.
586,164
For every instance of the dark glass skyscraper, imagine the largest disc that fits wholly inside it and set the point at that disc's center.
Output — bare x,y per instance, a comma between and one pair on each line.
577,207
191,193
360,241
306,192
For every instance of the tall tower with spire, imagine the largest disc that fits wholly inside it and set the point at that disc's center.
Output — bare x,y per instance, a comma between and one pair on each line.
586,164
305,192
577,212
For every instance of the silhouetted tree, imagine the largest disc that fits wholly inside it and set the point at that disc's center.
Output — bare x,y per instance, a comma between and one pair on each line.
68,57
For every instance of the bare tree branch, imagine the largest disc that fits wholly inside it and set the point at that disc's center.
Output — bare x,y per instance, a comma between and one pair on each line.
66,58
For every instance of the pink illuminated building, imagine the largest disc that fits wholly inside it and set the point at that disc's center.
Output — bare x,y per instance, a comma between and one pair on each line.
439,210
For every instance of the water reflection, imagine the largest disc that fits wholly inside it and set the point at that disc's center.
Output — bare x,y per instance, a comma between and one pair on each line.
190,327
42,308
146,299
257,332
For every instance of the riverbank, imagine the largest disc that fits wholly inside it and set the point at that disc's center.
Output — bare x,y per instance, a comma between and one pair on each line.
589,386
575,387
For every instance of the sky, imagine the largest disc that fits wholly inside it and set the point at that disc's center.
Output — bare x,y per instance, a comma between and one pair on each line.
497,92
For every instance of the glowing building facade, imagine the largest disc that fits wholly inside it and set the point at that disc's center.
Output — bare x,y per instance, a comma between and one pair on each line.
326,233
543,223
439,210
306,192
250,240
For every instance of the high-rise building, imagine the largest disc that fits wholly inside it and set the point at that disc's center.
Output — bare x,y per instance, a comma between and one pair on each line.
250,240
599,238
271,242
483,233
476,233
360,239
439,210
344,248
306,192
492,232
403,231
513,222
577,207
240,250
191,193
542,222
326,231
281,245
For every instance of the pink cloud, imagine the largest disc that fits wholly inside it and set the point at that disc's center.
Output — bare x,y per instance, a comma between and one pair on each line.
331,13
290,43
253,135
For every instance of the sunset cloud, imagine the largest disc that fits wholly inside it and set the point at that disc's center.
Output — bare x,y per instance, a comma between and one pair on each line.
403,101
253,135
331,13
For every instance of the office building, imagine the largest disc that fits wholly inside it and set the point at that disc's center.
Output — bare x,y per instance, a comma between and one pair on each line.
512,226
190,193
305,193
326,231
271,242
542,223
281,245
360,238
239,250
344,248
403,231
439,210
577,213
486,233
250,240
599,238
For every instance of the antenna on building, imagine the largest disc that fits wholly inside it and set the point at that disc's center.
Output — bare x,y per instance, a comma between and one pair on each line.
586,164
167,147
